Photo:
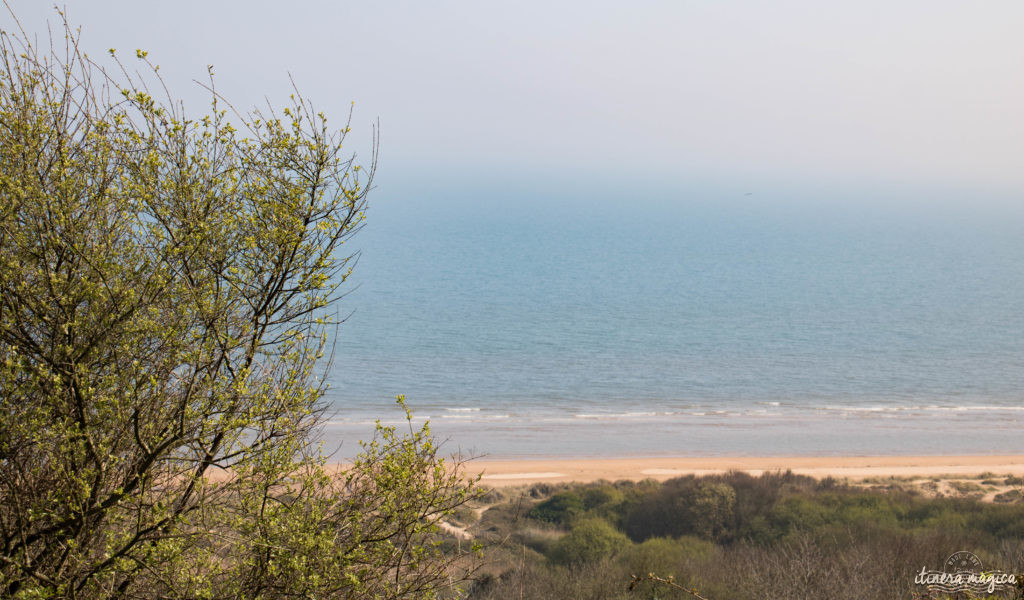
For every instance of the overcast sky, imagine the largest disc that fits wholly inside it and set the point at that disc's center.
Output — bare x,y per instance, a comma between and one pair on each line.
915,93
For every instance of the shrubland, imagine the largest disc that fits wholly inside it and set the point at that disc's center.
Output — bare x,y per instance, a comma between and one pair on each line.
734,536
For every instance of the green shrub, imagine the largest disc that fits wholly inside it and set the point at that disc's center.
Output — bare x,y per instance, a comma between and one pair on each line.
867,510
794,514
665,555
712,509
589,540
601,496
561,508
684,507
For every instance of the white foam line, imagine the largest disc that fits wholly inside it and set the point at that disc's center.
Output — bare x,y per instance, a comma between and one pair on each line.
617,415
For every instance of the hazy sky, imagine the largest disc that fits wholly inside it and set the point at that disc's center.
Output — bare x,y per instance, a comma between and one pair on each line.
912,93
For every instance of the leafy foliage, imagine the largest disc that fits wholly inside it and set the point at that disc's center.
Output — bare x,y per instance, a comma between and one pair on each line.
778,535
589,540
561,508
685,507
166,286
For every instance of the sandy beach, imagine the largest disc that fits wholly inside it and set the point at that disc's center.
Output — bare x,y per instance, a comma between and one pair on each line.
497,473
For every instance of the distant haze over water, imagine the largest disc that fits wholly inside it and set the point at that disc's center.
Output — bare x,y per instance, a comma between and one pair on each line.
706,325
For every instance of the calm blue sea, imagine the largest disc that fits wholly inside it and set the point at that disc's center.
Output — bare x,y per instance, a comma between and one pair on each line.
695,325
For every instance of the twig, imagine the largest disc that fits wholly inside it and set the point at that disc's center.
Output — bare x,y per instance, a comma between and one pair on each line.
669,582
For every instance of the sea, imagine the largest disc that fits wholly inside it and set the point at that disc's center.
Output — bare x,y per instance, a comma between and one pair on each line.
692,324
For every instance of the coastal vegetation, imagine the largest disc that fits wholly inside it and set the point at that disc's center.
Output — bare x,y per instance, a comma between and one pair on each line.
737,536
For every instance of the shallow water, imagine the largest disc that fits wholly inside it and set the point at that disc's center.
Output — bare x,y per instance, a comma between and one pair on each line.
686,328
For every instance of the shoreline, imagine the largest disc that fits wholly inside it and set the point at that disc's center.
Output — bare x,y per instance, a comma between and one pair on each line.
513,472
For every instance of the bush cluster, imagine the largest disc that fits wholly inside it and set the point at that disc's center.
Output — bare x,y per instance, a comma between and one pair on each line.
779,535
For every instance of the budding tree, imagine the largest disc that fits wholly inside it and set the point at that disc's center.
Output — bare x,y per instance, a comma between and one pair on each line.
166,286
